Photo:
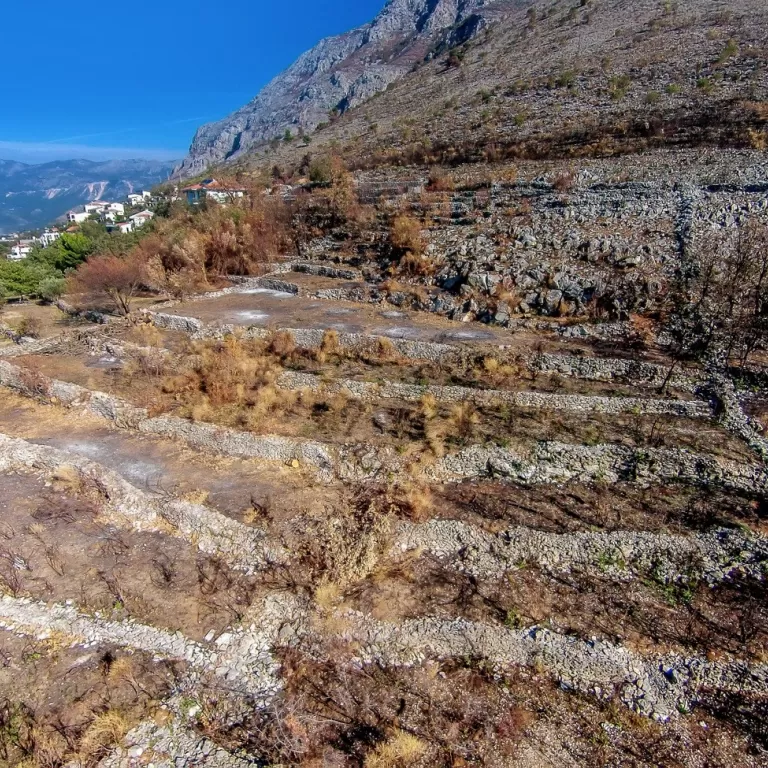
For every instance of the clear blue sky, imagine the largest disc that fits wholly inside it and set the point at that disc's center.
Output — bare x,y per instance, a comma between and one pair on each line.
129,79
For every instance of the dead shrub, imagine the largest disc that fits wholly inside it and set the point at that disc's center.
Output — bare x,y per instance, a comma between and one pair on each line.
416,265
463,421
146,335
440,181
34,383
414,500
344,546
31,327
112,278
330,344
564,181
386,350
405,235
229,370
281,344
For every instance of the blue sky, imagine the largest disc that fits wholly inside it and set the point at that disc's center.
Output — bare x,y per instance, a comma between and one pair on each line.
118,80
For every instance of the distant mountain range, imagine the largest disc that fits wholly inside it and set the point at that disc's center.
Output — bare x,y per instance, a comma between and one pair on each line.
32,196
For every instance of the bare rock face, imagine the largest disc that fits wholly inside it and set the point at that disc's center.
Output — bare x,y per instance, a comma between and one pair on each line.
338,73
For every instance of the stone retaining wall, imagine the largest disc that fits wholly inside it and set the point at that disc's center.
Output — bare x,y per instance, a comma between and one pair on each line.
375,391
713,557
550,462
323,270
655,686
240,658
554,463
242,546
609,369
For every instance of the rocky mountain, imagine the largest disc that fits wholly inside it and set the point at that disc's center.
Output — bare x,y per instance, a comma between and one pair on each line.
32,196
478,82
341,72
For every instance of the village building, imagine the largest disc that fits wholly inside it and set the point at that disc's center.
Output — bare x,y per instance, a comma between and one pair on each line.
49,237
141,218
21,250
138,198
121,226
212,190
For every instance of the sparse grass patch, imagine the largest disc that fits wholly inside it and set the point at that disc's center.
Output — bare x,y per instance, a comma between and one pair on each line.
401,750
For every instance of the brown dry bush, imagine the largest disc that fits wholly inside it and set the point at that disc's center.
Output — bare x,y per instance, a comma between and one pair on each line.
231,382
440,181
112,278
463,421
344,545
34,383
564,181
405,235
281,344
31,327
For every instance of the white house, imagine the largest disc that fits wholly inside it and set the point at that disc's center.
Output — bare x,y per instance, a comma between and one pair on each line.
121,226
78,217
104,208
137,198
140,219
48,237
21,250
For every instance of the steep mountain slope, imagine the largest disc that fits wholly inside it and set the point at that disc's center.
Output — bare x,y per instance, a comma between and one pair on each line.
32,196
339,73
561,79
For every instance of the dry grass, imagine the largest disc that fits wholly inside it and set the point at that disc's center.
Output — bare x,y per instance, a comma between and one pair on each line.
282,344
67,479
401,750
106,731
196,496
463,421
327,595
416,500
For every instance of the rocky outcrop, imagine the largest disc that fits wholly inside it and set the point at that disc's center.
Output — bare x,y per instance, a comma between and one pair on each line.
337,74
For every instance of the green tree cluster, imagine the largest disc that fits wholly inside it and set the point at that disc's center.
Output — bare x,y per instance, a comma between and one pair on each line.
42,273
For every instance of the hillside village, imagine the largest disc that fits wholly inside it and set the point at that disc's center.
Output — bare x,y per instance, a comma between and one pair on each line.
434,434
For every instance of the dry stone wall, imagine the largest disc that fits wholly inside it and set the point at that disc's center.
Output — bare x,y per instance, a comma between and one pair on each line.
714,556
241,546
375,391
656,686
554,462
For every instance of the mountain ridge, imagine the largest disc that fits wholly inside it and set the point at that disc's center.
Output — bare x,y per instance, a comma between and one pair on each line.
341,72
33,195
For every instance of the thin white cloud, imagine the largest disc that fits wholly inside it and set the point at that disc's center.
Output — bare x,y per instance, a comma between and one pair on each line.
122,131
44,152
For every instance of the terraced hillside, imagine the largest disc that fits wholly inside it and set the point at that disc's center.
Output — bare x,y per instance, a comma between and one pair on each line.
290,522
453,455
